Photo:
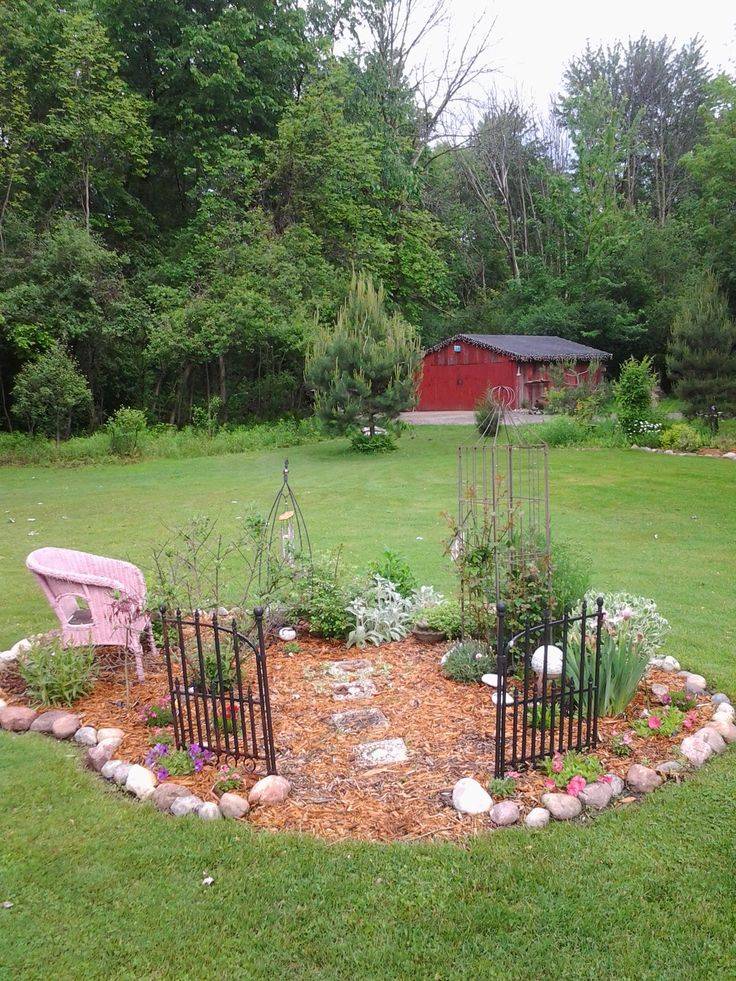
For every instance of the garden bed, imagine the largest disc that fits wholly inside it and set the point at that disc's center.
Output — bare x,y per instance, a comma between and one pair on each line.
448,730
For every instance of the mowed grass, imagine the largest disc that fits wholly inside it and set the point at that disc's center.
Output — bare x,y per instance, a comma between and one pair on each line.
105,888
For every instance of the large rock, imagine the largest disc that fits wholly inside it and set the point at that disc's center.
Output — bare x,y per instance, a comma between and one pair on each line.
596,796
109,768
725,711
616,784
504,813
269,790
670,768
166,793
714,739
209,811
642,779
538,817
120,774
66,726
234,806
726,730
356,720
45,721
469,797
381,752
353,691
110,732
86,736
141,782
720,699
17,718
661,693
694,683
188,804
562,807
696,750
3,704
98,755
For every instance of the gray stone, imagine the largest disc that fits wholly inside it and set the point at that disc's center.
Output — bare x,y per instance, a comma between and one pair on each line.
209,811
66,726
470,797
86,736
696,750
538,817
109,768
670,768
720,699
562,807
504,813
97,756
642,779
726,730
661,693
596,796
270,790
110,732
45,721
166,793
188,804
381,752
711,736
234,806
356,720
120,774
349,670
17,718
349,691
616,784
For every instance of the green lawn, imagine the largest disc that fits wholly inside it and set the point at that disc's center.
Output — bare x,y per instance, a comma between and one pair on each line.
104,888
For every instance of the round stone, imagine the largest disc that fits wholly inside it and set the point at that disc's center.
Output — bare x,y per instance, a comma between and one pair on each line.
696,750
720,699
508,698
616,784
45,721
642,779
469,797
287,634
209,812
110,732
538,817
120,774
670,768
505,812
562,807
109,768
661,693
234,806
711,736
727,730
166,793
596,796
141,782
725,711
17,718
490,679
86,736
269,790
670,663
66,726
188,804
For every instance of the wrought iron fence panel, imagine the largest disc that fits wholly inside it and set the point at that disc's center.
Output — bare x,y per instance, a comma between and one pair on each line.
547,698
218,685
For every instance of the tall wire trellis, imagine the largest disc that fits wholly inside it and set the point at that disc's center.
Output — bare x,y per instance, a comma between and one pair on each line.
503,516
285,536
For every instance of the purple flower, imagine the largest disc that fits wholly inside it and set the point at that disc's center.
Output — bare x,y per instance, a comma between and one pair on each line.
162,773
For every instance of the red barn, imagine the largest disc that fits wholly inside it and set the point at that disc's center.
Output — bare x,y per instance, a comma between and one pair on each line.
458,371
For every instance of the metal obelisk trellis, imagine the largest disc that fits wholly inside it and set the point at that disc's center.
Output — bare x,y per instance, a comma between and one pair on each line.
286,538
503,519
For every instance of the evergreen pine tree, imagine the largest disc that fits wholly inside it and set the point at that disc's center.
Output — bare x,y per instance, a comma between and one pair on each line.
363,370
701,356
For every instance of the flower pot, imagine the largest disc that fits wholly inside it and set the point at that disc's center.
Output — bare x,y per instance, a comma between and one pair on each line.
426,636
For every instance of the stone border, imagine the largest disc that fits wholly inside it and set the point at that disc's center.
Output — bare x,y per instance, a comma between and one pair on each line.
714,455
100,746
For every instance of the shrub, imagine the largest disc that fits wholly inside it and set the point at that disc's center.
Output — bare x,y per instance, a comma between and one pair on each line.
487,415
378,443
323,596
213,671
50,393
396,569
57,675
563,431
633,392
646,433
570,578
445,618
207,417
467,661
127,430
682,700
682,437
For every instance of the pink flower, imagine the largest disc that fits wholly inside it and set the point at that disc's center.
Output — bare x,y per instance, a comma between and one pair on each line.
627,613
654,722
628,738
606,778
666,699
514,774
557,763
549,784
575,786
689,720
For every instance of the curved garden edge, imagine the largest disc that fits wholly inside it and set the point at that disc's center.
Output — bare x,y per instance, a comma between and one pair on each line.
469,796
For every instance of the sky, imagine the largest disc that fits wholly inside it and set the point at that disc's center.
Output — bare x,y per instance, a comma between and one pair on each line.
532,41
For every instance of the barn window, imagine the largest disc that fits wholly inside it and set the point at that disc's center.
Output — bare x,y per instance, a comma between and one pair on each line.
457,347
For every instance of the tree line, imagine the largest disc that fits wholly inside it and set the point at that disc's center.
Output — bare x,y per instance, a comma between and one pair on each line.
187,190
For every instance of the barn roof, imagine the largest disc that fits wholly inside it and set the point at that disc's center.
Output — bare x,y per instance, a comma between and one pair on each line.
528,347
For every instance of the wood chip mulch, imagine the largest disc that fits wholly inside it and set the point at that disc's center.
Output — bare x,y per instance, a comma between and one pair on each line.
448,729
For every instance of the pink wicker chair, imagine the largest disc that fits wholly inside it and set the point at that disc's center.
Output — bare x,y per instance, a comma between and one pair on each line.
97,600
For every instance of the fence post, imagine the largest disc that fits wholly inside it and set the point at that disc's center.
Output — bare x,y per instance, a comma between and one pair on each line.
500,690
264,694
596,704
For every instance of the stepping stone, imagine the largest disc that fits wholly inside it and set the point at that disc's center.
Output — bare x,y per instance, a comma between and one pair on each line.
356,720
348,691
349,670
381,752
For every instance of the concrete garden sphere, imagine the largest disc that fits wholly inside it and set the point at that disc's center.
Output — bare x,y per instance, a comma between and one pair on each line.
554,661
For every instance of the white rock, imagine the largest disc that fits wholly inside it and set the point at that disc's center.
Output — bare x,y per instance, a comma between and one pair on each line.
696,750
469,797
727,730
110,732
730,455
120,776
554,657
109,768
3,704
616,784
287,633
209,812
562,807
382,751
233,806
711,736
504,813
140,782
725,712
20,648
86,736
490,679
508,699
181,806
671,663
695,682
538,817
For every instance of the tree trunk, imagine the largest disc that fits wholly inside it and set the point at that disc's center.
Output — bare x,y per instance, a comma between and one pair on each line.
223,386
85,203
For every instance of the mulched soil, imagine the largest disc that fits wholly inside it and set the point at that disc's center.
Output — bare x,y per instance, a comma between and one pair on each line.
448,729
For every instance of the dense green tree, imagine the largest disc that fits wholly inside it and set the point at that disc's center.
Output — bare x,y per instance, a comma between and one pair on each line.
49,393
362,370
701,357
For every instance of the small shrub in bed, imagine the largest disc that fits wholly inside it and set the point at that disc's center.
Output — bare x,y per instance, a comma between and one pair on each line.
562,769
158,713
666,723
467,661
323,596
396,569
501,787
682,437
228,780
57,675
682,700
127,432
378,443
446,618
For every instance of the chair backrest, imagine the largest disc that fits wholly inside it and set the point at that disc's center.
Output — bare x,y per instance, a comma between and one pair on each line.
61,569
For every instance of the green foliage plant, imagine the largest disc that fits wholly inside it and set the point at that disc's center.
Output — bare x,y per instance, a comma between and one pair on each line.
563,767
382,442
50,392
665,723
396,569
57,675
127,431
502,787
467,661
446,618
633,392
682,437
